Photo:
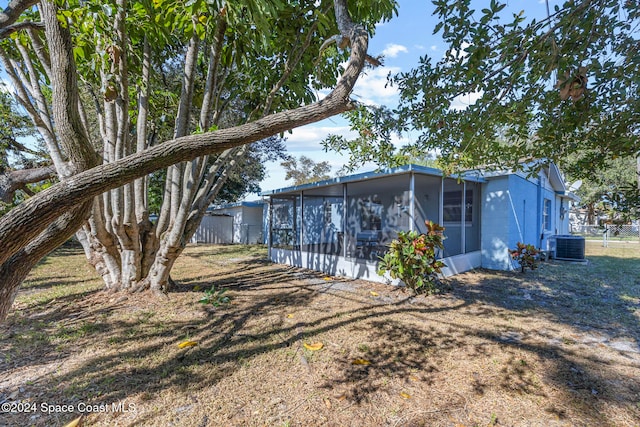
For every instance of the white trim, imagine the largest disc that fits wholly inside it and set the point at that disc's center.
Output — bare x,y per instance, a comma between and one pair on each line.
356,268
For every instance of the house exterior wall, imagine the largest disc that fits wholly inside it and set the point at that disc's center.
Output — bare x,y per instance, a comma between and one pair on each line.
214,229
337,265
497,216
251,226
552,229
342,226
232,224
247,223
234,212
564,225
513,211
510,214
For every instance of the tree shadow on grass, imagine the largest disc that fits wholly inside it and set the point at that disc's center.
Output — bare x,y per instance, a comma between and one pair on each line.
409,352
47,283
602,297
139,355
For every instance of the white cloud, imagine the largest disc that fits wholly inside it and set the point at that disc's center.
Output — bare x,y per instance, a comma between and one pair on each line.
392,50
372,88
463,101
462,53
401,140
308,138
434,47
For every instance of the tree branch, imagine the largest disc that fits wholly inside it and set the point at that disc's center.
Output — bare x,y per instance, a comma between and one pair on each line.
12,181
34,216
13,11
27,25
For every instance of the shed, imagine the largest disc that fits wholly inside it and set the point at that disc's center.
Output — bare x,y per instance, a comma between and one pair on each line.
239,222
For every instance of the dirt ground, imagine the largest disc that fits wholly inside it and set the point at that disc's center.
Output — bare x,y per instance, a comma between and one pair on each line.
558,346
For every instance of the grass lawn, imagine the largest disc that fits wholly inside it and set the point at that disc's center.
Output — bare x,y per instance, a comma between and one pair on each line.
559,346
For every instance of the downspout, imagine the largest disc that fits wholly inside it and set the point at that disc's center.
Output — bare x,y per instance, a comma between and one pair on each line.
561,215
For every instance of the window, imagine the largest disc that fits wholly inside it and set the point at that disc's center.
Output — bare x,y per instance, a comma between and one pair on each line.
371,214
284,223
546,215
452,206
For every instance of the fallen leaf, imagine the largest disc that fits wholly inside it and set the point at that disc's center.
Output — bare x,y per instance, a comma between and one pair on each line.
327,403
360,362
196,288
184,344
343,396
328,279
374,294
75,423
412,378
405,395
313,347
289,316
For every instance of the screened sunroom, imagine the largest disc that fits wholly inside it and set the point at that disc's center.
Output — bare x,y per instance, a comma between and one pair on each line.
343,225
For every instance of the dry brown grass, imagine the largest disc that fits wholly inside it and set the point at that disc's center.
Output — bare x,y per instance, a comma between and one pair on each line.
553,347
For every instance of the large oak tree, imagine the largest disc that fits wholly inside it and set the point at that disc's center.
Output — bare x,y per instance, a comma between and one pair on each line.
92,76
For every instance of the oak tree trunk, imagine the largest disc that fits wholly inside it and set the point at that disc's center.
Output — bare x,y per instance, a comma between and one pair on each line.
101,202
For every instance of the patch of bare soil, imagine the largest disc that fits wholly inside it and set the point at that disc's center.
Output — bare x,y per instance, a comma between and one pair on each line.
493,349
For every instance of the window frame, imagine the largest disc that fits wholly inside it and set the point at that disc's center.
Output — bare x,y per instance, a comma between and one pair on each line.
546,214
452,212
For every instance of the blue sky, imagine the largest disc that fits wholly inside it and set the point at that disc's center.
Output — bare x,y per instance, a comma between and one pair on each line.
403,40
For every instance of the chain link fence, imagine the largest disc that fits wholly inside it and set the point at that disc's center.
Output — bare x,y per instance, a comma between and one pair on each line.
608,232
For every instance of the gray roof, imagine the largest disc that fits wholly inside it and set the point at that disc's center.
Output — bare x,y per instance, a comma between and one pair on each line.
424,170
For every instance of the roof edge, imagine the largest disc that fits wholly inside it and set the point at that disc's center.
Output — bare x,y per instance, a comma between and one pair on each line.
370,175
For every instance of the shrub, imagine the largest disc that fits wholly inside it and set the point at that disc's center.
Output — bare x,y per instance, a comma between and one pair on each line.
525,255
412,258
215,297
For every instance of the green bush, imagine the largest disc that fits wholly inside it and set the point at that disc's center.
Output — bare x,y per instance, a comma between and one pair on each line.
215,297
412,258
525,255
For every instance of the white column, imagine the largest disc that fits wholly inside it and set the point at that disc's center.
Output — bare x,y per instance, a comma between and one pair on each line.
412,200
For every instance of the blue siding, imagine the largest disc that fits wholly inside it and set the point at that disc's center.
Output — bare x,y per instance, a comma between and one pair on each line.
510,214
496,219
547,192
511,209
528,209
